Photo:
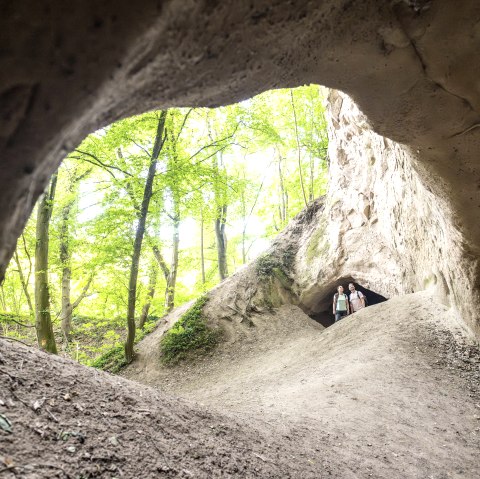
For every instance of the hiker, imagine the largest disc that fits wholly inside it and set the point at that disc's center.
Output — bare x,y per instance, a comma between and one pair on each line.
357,299
341,305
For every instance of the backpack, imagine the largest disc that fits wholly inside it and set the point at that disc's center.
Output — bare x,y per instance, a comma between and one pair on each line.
364,297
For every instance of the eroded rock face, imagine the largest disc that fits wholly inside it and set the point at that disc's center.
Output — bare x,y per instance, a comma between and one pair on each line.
382,225
412,66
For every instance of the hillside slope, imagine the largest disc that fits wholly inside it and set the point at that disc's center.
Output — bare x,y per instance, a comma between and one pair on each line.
392,391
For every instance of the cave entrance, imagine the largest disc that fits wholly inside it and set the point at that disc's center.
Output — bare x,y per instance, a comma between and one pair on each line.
324,314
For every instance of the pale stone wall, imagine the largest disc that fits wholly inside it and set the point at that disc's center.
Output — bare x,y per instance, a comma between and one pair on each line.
382,226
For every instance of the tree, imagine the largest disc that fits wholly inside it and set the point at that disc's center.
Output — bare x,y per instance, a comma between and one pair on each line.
232,171
152,282
25,280
140,231
74,177
43,321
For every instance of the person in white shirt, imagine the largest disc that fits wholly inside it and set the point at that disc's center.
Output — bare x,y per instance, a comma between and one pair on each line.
357,299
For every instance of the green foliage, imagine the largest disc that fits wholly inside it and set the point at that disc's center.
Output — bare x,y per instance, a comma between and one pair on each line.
113,360
190,335
266,264
244,160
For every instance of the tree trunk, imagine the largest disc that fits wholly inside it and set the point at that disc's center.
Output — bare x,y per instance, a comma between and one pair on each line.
43,320
152,282
311,193
137,246
202,252
24,284
172,276
221,236
283,206
299,150
65,256
244,230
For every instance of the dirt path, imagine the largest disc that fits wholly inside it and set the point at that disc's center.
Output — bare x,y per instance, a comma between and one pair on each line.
391,392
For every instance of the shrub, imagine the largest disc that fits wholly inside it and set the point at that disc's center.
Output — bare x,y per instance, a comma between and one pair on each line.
190,334
112,361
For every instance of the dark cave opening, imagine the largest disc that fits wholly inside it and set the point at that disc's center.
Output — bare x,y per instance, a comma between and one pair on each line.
325,316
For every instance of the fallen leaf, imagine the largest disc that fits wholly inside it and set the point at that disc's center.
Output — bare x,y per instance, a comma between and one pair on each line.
5,423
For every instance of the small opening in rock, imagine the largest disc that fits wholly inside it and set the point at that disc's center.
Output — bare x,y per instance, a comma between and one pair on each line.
325,316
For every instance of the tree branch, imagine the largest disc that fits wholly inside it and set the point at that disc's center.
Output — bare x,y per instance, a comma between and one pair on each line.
83,294
161,261
101,163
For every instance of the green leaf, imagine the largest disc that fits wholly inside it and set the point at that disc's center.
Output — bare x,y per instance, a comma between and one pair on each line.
5,424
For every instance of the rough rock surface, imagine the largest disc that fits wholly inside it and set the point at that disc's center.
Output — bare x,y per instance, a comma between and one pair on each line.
382,226
412,66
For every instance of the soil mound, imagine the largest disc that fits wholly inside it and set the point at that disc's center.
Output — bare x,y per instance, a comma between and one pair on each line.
61,420
390,392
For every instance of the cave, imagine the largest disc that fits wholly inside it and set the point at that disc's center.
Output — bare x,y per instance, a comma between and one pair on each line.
411,67
400,222
323,310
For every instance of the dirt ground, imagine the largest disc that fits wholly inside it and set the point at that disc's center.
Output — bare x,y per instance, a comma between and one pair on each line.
391,392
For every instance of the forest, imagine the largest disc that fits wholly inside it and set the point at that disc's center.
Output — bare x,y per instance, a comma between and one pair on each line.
153,211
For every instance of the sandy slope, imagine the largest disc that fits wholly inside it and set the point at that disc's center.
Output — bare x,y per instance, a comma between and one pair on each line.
389,392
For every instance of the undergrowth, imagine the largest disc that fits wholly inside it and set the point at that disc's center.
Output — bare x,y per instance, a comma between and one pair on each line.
190,335
113,360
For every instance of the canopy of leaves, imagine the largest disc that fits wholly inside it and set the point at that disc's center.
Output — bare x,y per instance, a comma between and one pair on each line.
259,161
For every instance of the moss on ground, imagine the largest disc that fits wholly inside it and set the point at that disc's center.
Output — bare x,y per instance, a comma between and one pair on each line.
114,360
190,336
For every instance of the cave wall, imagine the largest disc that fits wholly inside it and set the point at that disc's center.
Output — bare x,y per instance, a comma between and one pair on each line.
413,67
382,224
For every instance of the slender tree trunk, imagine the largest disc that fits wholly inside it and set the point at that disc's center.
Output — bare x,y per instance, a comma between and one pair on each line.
311,193
152,282
283,206
43,320
137,246
298,149
221,236
4,303
172,276
202,252
24,284
65,256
